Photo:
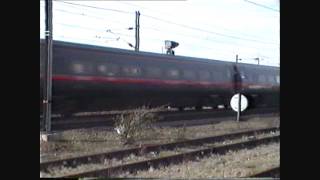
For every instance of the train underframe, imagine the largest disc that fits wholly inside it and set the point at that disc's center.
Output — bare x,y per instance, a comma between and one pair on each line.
70,98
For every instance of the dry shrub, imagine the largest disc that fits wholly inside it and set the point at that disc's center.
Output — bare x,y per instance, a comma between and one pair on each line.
132,124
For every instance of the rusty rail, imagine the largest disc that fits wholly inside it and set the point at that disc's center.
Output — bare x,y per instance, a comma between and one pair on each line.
174,159
272,172
100,157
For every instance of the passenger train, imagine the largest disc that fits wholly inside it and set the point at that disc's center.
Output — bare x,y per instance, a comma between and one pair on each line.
94,78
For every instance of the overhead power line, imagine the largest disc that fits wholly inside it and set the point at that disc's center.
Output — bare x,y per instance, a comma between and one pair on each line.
115,34
91,16
94,7
77,39
171,15
202,30
262,5
101,30
159,19
177,24
92,29
206,38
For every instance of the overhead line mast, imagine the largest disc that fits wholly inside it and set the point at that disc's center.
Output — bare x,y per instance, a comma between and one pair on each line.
47,95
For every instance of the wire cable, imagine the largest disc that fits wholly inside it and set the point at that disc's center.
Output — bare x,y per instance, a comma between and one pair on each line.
208,38
177,24
90,16
169,14
260,5
92,29
94,7
202,30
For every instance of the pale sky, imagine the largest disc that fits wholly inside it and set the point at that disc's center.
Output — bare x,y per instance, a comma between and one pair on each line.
214,29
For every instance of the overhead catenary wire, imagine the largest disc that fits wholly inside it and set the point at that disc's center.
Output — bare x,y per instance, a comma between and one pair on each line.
101,30
179,34
77,39
106,30
208,38
100,8
177,24
109,30
74,9
206,31
260,5
118,36
90,16
125,25
93,29
169,14
162,13
185,44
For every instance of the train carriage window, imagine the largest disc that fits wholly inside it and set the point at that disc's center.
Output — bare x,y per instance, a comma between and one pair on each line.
250,77
173,73
271,79
113,70
78,68
108,69
204,75
243,75
217,75
262,78
102,69
255,77
278,79
153,72
131,71
229,75
189,75
81,67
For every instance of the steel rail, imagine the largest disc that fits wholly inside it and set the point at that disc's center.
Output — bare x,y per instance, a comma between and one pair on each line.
173,159
100,157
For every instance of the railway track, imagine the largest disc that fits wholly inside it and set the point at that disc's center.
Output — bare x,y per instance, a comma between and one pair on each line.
171,118
201,147
272,172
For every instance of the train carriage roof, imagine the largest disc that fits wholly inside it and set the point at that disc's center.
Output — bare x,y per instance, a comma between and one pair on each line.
156,55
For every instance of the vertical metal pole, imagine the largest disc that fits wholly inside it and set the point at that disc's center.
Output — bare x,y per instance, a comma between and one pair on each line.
138,26
239,107
48,67
239,91
137,31
136,46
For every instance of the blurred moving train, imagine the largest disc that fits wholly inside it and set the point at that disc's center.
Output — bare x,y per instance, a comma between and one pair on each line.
92,78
